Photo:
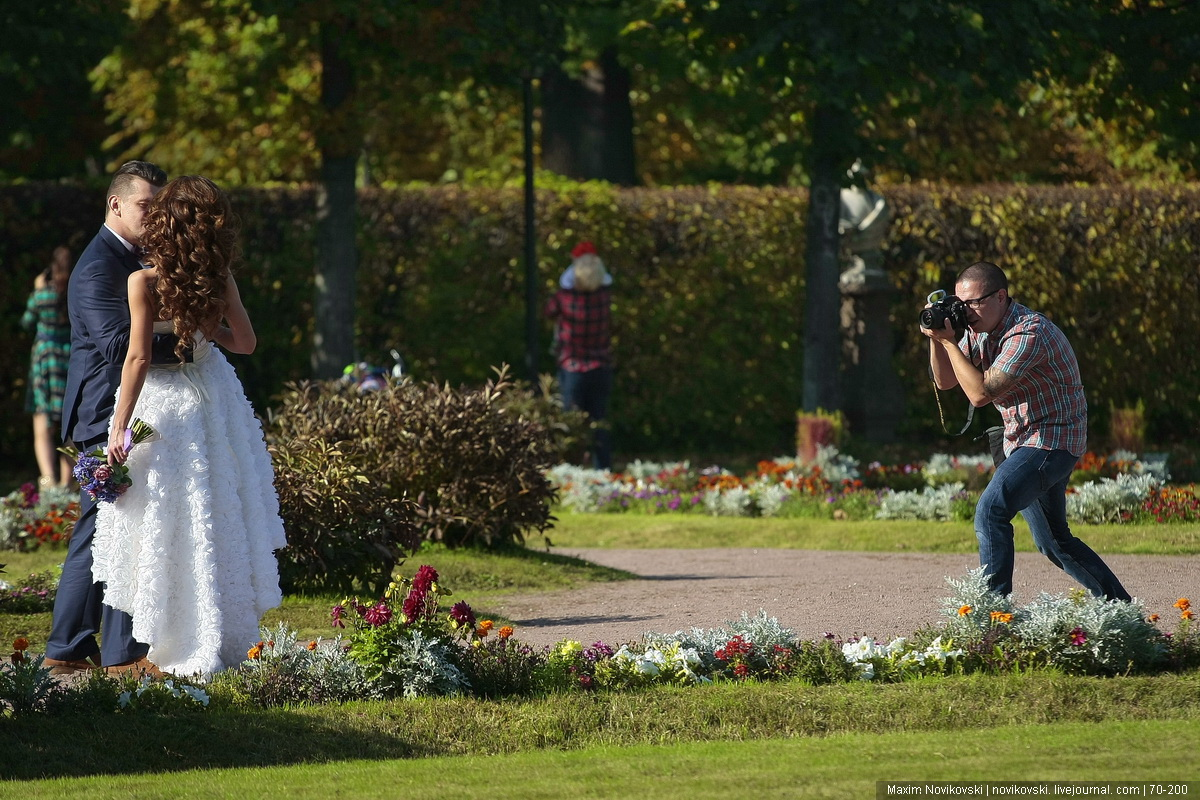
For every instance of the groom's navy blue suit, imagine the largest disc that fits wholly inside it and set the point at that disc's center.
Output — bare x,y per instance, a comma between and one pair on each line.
98,306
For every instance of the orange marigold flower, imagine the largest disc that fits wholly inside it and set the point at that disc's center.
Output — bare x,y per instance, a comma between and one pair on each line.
487,624
1153,618
964,610
20,643
1002,617
254,653
1187,613
481,632
505,632
312,645
1183,604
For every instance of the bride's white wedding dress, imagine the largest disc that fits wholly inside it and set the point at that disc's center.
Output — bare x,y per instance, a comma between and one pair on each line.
188,550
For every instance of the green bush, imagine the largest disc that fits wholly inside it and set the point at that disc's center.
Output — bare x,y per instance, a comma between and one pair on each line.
343,528
473,468
708,293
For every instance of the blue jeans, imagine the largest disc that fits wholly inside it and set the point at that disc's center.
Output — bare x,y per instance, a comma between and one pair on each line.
1034,482
590,391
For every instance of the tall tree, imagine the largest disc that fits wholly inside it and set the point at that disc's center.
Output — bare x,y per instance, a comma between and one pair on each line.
282,90
50,123
832,66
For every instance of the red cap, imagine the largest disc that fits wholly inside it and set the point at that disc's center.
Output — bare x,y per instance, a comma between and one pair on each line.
583,248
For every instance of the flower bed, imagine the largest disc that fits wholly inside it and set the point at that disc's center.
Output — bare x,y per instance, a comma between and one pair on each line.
406,644
30,519
1106,489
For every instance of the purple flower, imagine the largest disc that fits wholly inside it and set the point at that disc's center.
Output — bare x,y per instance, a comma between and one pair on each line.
1078,637
425,578
378,614
336,616
597,652
462,614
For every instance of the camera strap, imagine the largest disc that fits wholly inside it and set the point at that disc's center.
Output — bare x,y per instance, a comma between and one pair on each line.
970,414
937,395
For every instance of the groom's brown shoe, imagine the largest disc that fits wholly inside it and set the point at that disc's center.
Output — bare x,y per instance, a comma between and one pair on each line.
138,668
70,667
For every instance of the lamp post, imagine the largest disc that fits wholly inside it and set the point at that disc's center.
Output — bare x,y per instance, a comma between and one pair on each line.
531,294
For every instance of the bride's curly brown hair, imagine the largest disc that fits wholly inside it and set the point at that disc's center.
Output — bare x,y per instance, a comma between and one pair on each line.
191,241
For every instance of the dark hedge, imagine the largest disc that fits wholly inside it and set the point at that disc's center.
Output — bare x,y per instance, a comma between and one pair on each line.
708,293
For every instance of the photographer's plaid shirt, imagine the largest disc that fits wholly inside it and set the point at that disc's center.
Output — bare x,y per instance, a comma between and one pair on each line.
1046,408
584,323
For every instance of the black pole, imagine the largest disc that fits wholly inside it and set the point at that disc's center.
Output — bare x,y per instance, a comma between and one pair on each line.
531,294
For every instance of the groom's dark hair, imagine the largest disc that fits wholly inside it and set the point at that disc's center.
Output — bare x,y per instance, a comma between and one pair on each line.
123,178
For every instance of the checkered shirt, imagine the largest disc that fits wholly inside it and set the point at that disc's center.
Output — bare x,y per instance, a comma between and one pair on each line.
1046,408
584,325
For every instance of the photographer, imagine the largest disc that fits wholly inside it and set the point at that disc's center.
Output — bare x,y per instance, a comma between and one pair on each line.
1022,363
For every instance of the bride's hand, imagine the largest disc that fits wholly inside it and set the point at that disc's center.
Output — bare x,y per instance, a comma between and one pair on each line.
117,451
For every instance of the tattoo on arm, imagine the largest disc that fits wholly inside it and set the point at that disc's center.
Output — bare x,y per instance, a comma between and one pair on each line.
997,382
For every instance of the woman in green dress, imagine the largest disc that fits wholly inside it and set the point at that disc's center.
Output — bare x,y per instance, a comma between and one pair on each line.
46,314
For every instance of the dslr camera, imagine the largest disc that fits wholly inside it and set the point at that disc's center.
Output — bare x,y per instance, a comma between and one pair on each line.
942,307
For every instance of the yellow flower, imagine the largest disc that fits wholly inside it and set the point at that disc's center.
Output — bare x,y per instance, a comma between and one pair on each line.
1183,604
20,644
505,632
964,610
1002,617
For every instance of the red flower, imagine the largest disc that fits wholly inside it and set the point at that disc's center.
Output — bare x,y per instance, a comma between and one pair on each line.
1078,637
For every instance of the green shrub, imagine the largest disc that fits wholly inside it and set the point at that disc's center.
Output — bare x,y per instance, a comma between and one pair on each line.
474,468
569,431
342,527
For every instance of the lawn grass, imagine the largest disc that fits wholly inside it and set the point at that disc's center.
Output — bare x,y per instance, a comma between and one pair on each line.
840,766
686,531
133,743
779,739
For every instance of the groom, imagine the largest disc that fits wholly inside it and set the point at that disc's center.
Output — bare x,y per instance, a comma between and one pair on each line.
98,306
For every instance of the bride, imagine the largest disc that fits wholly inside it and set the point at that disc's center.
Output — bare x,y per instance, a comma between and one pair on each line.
188,550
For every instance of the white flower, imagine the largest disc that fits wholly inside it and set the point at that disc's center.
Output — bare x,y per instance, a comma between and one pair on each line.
197,694
123,699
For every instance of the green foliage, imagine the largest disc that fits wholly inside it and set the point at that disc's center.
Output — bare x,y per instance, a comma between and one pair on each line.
569,430
280,670
33,595
500,667
342,527
474,469
708,293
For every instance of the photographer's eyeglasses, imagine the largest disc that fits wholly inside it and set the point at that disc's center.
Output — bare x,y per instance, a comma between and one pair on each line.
978,302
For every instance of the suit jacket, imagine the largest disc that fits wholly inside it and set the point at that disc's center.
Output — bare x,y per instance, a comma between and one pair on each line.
98,306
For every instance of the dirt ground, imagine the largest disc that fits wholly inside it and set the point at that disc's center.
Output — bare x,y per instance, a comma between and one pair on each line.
848,594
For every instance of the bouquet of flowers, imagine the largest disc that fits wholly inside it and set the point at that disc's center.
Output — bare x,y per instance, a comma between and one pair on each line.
103,481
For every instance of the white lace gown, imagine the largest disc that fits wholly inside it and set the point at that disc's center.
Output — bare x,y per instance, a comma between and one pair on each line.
188,550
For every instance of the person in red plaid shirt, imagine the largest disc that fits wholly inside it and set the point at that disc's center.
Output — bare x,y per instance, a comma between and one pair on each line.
1019,361
582,311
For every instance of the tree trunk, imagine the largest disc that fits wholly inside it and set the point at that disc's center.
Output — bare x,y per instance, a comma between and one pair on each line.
822,300
587,122
340,139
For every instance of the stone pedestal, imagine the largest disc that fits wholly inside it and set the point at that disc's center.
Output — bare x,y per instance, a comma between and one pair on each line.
872,400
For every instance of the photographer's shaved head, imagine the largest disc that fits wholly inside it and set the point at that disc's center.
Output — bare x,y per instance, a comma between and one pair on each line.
986,274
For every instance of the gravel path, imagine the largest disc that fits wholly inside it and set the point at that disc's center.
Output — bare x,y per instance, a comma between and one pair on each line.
813,592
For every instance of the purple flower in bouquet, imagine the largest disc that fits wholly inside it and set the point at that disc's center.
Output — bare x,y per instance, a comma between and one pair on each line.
103,481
